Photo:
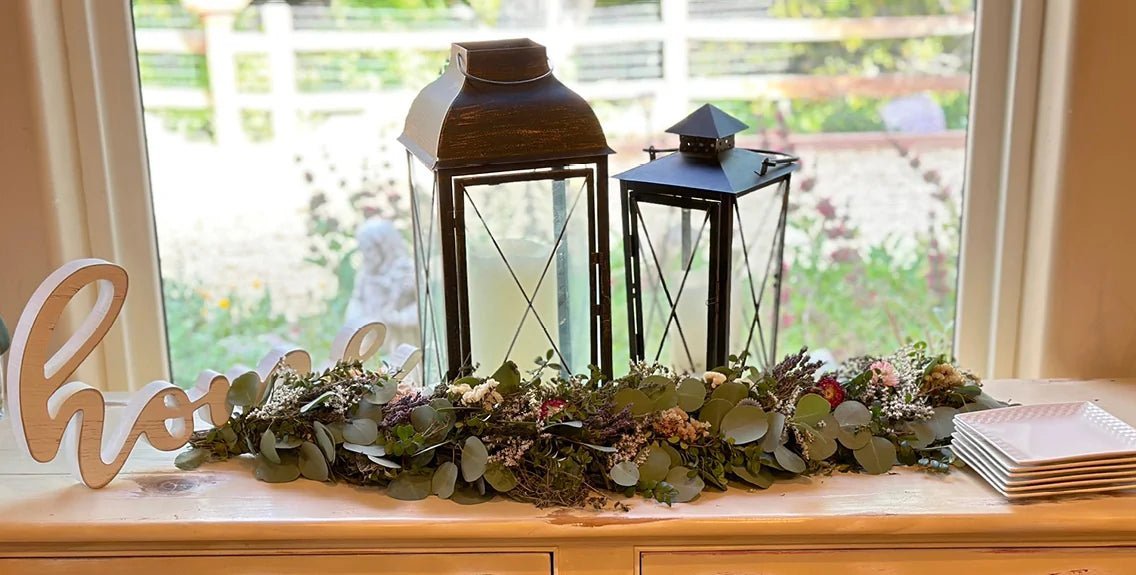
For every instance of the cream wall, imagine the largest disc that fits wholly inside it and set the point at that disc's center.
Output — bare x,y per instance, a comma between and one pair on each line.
1089,317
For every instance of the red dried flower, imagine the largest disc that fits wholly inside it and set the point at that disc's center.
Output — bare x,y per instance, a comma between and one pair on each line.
551,407
831,390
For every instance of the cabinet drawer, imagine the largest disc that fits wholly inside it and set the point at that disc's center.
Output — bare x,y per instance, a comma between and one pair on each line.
892,562
361,564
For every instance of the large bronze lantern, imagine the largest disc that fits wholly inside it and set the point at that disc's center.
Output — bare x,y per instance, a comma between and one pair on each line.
508,179
704,236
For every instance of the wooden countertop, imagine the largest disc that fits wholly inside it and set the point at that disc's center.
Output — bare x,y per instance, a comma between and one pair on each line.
153,505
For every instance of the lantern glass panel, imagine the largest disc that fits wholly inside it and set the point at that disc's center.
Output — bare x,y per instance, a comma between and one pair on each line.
674,256
428,263
527,241
756,261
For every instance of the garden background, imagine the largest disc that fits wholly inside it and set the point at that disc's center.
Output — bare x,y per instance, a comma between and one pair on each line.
271,139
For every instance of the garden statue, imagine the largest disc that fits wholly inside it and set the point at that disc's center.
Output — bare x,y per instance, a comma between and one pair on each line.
385,285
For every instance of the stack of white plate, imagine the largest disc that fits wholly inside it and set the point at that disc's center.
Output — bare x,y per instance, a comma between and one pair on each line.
1048,450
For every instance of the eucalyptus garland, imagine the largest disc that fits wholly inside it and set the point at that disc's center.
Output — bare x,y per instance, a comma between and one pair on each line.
576,441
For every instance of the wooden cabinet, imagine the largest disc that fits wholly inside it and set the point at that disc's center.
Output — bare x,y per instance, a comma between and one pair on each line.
219,519
350,564
893,562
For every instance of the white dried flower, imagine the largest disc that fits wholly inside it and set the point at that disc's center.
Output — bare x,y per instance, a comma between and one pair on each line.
714,379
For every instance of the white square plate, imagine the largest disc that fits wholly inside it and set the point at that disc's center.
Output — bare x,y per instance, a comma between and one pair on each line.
960,442
976,457
1040,471
982,471
1053,433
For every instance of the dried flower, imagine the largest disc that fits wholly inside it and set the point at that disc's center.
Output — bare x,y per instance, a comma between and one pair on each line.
883,373
675,422
551,407
714,379
484,393
831,390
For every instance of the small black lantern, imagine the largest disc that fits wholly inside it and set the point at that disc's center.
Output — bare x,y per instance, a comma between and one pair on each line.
508,180
704,237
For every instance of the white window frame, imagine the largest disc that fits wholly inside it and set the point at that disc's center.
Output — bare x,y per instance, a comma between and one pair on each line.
1004,146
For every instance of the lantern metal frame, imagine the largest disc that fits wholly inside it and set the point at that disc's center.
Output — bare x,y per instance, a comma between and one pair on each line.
498,115
771,172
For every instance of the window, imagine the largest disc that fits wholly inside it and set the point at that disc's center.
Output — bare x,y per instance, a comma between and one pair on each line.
278,189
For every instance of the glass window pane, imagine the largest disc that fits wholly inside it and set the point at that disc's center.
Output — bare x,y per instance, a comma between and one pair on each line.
271,137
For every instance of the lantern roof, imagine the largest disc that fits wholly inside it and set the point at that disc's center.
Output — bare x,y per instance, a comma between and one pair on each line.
497,102
709,121
734,172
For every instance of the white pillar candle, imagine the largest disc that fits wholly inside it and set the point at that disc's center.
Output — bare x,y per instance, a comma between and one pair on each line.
691,313
496,304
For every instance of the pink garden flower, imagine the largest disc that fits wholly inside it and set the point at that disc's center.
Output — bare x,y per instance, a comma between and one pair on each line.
883,373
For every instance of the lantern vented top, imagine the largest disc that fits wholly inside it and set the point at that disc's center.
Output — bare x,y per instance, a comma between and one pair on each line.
706,132
499,103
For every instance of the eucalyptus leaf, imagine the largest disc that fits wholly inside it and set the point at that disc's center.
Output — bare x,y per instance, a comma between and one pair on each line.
410,486
323,397
688,484
575,424
270,472
445,477
744,424
324,440
987,402
191,459
788,460
666,400
229,436
855,440
676,458
852,414
312,462
830,428
820,446
691,394
268,446
473,459
731,391
423,418
467,495
384,462
656,466
714,411
508,378
368,410
943,421
625,473
772,437
656,381
877,457
602,448
382,393
377,450
638,401
924,434
361,431
243,390
288,442
762,479
811,408
501,478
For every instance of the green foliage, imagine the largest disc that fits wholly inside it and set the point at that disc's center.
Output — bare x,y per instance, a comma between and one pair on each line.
571,441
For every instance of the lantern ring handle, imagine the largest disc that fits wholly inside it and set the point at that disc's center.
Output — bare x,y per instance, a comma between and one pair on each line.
461,68
781,159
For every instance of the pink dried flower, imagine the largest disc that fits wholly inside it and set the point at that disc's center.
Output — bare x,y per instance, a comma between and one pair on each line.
883,373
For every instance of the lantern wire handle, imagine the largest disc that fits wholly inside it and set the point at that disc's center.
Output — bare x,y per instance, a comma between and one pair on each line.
461,68
777,159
